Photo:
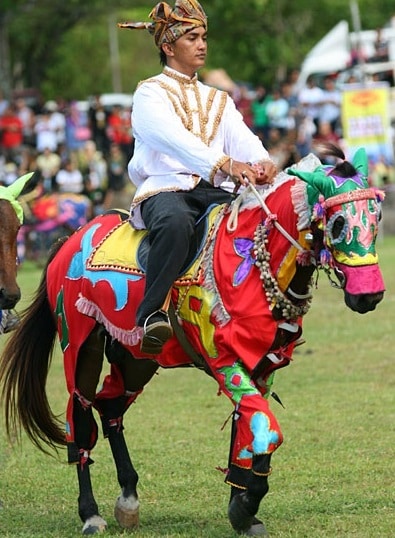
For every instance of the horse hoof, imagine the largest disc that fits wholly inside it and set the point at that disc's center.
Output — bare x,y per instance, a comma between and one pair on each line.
94,525
257,529
126,512
241,519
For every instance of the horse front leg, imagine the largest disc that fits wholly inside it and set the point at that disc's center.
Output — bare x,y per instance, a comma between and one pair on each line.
255,436
244,505
121,387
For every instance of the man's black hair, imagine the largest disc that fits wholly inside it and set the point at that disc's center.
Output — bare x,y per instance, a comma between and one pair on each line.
162,58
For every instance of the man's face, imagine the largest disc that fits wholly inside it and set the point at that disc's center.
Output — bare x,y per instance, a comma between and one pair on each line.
189,52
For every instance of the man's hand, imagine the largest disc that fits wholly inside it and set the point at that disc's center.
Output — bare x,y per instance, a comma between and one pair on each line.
244,173
266,171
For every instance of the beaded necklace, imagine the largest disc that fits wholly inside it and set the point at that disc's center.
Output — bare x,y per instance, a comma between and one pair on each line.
274,295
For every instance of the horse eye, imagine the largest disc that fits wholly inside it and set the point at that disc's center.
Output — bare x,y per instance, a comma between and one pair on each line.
338,226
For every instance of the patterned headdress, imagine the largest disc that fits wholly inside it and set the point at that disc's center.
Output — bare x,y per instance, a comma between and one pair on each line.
171,23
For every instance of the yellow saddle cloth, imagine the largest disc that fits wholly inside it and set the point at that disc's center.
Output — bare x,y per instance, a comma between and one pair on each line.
122,250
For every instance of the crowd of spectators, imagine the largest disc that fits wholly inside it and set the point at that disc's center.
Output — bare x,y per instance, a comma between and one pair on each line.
86,150
291,121
72,148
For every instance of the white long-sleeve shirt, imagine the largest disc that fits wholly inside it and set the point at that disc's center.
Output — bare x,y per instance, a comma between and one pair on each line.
184,131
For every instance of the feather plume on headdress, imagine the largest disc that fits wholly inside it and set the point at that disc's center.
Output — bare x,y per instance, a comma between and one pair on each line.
171,23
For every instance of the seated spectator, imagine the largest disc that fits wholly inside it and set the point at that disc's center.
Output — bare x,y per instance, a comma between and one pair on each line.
243,105
9,173
117,177
305,131
260,124
98,117
58,121
310,99
119,130
325,133
330,104
69,178
381,53
45,133
11,134
77,128
277,111
48,164
28,118
94,171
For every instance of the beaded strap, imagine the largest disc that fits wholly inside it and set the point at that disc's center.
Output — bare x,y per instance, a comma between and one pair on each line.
351,196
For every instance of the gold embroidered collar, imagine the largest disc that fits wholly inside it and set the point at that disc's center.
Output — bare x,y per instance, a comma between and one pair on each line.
179,77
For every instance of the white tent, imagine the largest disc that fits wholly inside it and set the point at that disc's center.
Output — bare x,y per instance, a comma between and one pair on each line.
330,54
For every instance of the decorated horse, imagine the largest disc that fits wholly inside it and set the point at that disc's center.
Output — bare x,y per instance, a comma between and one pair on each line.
11,218
236,309
49,216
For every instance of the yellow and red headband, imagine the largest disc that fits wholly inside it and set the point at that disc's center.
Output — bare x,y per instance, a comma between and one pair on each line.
171,23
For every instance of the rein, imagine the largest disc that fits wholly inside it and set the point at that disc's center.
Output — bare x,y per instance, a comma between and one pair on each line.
232,222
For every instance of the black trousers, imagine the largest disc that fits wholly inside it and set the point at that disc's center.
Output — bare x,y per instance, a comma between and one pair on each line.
170,218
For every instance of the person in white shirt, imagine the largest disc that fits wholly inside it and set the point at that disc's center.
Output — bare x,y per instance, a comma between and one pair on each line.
69,178
45,133
189,140
330,104
310,99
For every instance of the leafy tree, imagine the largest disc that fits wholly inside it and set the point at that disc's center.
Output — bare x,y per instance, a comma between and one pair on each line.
37,28
63,47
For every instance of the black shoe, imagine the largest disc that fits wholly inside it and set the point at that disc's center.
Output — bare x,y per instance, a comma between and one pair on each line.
157,331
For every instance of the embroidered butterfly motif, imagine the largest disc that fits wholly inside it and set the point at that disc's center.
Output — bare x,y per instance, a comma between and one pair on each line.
244,249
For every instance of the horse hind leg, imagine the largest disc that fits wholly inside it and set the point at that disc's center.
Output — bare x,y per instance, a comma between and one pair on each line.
126,510
88,509
89,366
121,388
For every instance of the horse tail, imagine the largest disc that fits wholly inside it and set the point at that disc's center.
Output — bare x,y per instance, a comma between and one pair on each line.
24,367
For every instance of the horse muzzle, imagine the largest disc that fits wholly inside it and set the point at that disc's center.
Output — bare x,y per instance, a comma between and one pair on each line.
8,300
364,287
363,303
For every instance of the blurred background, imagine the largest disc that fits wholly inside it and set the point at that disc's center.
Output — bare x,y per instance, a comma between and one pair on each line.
299,74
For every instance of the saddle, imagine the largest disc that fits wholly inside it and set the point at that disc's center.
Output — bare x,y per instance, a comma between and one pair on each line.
126,250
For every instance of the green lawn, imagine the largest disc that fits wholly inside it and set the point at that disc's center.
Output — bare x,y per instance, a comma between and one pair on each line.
333,476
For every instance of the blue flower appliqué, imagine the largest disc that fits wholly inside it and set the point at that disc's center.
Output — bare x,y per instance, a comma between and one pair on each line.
244,249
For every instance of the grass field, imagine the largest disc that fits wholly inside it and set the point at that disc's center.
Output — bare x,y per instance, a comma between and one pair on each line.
332,477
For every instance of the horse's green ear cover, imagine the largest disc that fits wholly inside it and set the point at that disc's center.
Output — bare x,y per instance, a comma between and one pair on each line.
360,162
317,182
12,192
320,180
16,188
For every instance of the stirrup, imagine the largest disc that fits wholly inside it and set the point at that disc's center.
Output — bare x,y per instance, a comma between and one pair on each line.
156,334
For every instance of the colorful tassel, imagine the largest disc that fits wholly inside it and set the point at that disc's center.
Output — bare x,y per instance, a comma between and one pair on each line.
325,257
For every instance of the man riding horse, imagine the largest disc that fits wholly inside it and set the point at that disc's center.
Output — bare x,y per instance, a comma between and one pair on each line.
189,140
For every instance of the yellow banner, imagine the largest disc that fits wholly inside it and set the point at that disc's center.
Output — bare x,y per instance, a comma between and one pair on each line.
365,120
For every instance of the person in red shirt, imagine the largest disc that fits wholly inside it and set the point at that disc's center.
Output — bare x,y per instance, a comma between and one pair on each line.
119,130
11,133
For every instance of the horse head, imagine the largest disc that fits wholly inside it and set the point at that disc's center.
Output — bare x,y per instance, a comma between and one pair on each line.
346,212
11,213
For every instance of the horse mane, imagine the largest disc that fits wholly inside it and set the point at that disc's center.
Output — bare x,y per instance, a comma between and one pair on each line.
342,168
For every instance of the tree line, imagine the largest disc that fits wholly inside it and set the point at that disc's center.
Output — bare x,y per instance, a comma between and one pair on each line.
65,48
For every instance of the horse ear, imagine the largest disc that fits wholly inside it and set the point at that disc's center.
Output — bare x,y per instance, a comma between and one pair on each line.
316,179
16,188
360,162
